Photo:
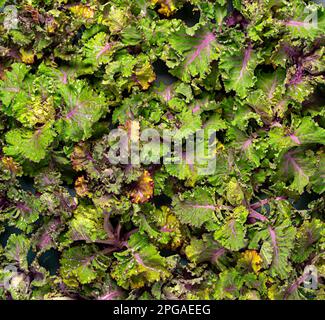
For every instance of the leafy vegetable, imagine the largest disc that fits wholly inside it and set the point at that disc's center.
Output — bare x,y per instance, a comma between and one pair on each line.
162,149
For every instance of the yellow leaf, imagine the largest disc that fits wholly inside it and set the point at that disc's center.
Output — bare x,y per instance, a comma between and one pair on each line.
252,260
145,75
51,25
12,166
81,187
39,111
79,157
272,292
82,11
27,56
167,7
144,189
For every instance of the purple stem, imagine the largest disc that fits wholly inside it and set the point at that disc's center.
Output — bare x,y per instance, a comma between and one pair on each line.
107,47
247,56
294,138
110,295
217,254
274,243
265,201
197,206
295,286
255,215
199,48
